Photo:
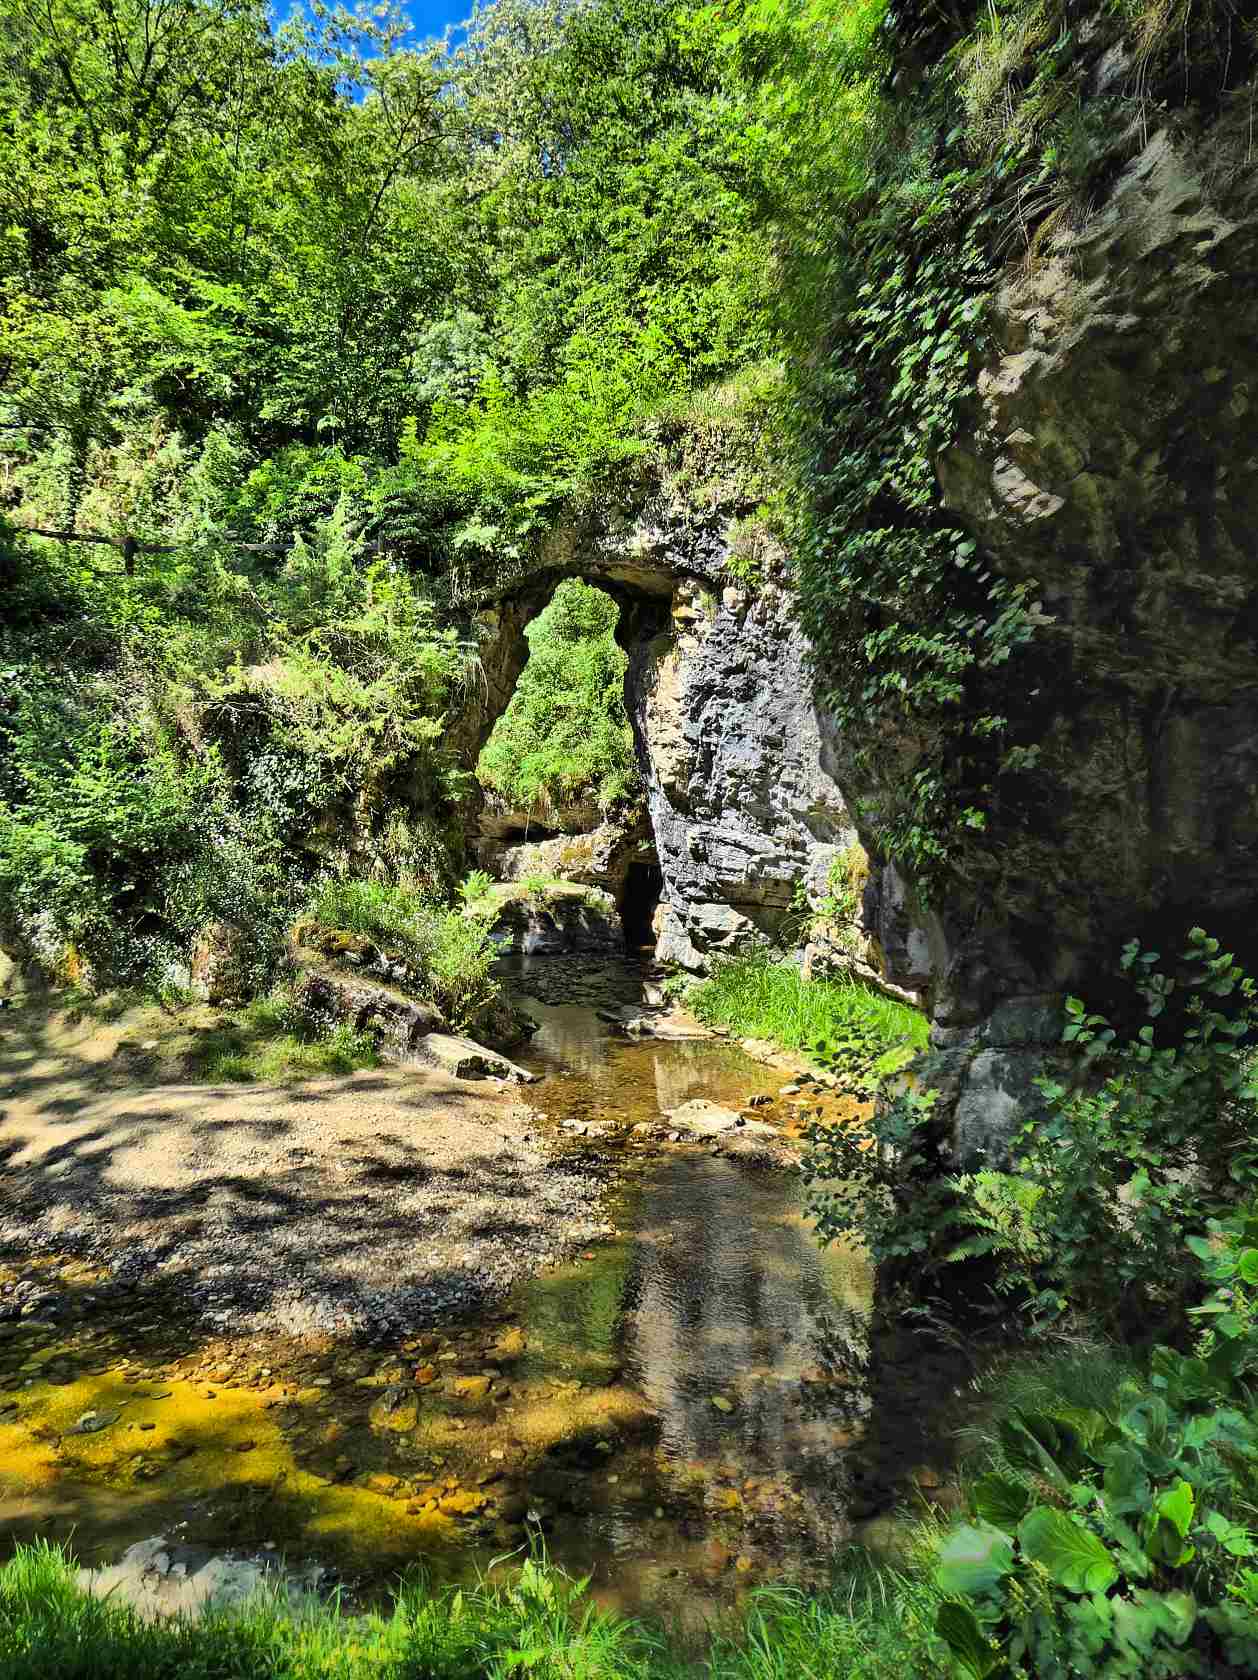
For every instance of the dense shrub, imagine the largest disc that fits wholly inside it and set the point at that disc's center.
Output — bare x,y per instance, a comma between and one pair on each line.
1144,1135
182,746
1150,1134
1116,1542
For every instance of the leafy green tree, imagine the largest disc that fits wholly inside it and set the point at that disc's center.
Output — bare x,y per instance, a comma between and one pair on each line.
565,736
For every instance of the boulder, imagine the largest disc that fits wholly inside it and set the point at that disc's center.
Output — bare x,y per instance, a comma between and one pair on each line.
159,1578
333,996
221,967
709,1119
463,1058
602,857
638,1022
557,918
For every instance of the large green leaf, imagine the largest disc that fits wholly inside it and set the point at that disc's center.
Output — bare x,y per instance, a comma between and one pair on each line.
973,1558
1146,1619
1046,1444
1233,1537
1177,1505
999,1500
1071,1554
958,1627
1167,1528
1126,1480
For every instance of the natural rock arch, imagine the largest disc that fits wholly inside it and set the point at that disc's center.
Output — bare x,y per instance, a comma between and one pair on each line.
742,808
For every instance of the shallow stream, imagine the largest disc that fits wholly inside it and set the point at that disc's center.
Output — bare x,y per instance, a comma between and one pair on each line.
690,1408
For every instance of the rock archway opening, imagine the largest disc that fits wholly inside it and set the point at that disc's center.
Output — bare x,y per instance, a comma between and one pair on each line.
563,764
561,753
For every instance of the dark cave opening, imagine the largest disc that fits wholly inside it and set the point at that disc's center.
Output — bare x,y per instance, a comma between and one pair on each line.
639,898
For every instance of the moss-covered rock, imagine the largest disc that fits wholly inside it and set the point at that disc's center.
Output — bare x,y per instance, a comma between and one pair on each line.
551,917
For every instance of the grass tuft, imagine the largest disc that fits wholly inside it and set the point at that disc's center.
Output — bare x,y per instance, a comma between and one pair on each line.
271,1040
451,953
874,1626
761,996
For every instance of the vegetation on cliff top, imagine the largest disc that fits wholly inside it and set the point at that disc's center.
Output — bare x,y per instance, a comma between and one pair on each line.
343,322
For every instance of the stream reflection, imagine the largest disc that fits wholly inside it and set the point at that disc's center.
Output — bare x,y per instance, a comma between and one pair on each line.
748,1342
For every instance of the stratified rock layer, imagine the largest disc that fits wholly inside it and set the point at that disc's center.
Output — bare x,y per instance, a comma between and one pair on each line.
744,816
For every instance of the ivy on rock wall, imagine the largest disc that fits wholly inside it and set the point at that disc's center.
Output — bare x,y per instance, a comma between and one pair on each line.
902,155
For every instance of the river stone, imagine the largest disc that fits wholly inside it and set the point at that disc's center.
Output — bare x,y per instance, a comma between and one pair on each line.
638,1022
469,1388
157,1579
706,1119
463,1058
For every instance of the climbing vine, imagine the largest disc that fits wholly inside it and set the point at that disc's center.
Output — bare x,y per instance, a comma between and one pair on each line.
925,146
902,611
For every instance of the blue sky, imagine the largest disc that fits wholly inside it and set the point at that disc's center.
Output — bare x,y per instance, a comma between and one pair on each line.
430,17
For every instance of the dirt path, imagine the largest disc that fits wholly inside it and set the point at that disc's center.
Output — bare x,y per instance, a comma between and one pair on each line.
367,1202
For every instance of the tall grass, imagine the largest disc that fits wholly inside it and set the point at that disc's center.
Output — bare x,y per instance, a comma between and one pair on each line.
761,996
541,1623
450,953
271,1039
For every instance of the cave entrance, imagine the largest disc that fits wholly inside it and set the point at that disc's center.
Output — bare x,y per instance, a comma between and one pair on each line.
639,900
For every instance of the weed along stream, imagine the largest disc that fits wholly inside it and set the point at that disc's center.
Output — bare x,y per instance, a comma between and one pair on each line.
686,1407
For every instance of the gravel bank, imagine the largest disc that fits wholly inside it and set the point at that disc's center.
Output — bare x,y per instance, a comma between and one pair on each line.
367,1203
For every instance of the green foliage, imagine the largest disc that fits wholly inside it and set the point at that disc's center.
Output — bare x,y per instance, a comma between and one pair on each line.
565,736
1114,1542
874,1625
448,953
537,886
763,996
539,1621
309,284
1000,1210
475,887
1153,1137
622,262
274,1041
171,743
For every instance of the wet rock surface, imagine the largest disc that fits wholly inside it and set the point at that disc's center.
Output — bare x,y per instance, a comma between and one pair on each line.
558,917
159,1578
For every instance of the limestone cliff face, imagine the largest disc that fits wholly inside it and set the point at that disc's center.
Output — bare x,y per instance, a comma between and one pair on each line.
1114,459
1111,456
743,813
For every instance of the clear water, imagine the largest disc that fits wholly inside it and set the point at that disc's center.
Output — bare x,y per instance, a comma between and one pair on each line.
690,1409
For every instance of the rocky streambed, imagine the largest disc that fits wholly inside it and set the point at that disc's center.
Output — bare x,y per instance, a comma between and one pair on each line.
605,1325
